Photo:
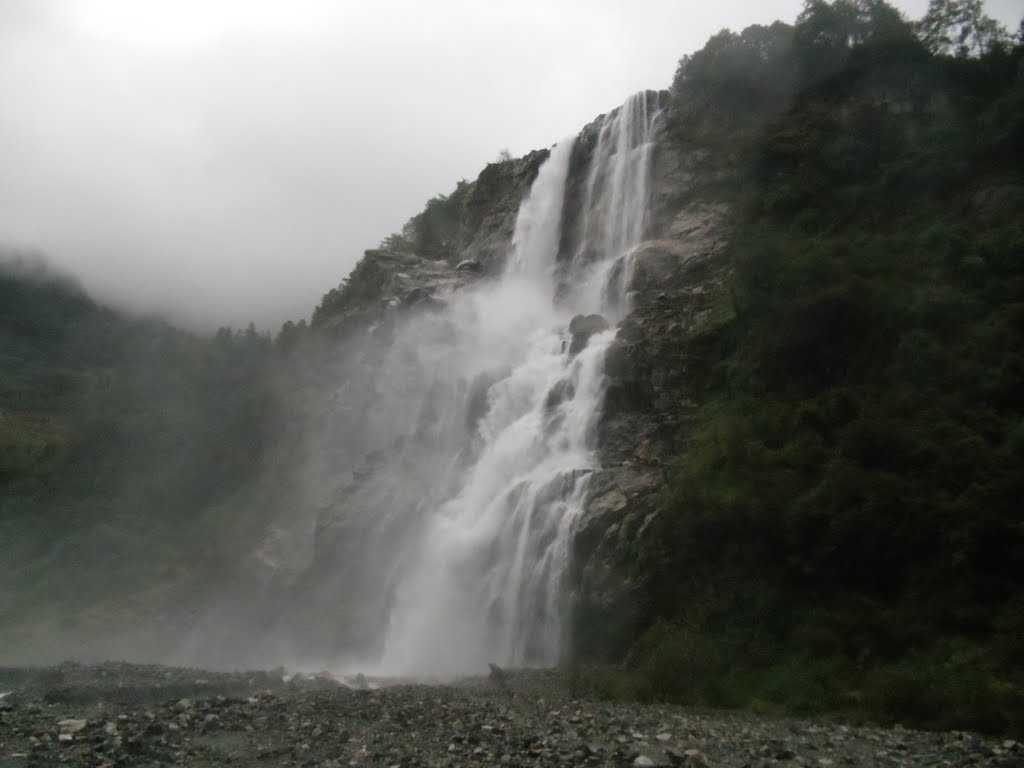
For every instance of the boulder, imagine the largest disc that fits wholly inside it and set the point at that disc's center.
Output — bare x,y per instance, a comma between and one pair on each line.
582,327
469,265
562,391
72,725
608,502
420,297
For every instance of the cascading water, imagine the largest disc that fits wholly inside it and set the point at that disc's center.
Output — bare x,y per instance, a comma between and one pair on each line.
482,415
433,524
486,585
616,202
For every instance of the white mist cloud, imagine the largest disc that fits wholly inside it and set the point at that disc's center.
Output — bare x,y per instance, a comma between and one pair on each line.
228,160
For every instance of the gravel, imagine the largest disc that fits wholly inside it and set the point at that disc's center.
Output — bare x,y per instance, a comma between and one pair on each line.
130,715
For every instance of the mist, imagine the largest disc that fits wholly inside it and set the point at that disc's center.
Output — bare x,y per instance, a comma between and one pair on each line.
229,162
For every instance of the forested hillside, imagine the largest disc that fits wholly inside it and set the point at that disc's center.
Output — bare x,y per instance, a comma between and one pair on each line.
843,530
117,433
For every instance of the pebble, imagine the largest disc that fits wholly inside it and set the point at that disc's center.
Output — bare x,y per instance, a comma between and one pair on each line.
308,723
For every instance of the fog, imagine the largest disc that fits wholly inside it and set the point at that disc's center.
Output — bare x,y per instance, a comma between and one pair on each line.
229,161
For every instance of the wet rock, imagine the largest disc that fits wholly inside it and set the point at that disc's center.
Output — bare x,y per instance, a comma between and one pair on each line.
581,328
476,399
562,391
469,265
611,501
420,297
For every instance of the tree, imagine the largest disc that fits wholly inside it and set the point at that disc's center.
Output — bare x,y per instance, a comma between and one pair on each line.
735,79
827,32
960,27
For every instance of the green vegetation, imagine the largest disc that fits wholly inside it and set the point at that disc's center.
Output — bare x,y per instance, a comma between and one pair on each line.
960,27
844,529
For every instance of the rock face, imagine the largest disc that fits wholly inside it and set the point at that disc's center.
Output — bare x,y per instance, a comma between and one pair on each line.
355,477
375,492
680,294
394,275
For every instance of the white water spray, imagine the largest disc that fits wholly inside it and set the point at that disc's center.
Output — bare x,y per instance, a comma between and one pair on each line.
480,579
486,582
616,202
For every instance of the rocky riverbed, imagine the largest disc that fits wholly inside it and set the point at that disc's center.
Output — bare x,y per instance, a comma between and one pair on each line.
128,715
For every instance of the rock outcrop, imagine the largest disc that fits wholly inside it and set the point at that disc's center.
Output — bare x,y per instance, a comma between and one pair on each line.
581,328
680,294
394,275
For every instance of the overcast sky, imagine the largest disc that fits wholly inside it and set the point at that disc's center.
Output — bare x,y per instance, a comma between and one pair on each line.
229,160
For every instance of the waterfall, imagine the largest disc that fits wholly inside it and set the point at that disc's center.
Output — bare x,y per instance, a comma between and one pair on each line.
485,585
539,221
472,515
616,202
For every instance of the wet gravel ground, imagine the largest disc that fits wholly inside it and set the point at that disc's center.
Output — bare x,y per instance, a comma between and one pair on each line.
130,715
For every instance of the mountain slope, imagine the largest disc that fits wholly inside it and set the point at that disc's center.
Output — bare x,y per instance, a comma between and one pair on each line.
841,525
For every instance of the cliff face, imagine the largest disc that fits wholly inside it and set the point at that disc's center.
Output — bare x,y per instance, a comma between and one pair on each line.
678,292
475,241
681,294
380,436
370,454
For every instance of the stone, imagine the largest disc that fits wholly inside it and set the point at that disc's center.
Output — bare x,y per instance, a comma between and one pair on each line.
643,761
694,758
72,725
613,500
417,296
582,327
469,265
560,392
